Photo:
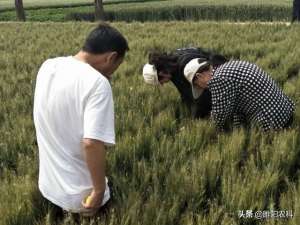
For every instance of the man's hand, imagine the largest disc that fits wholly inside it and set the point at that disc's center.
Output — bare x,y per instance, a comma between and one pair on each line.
92,203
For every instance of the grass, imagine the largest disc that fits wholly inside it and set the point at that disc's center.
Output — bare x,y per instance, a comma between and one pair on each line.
32,3
166,168
217,10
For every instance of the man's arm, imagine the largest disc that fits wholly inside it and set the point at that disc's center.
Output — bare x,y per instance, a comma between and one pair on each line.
95,153
98,130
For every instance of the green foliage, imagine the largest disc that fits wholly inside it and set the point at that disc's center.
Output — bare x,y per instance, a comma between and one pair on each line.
166,168
7,4
159,10
201,12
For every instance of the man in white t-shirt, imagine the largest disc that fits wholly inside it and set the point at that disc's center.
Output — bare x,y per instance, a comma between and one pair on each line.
74,120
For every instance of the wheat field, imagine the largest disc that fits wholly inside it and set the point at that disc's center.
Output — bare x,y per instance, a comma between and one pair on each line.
166,168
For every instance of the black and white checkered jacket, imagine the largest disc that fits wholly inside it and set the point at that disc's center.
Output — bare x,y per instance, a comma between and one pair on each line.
243,93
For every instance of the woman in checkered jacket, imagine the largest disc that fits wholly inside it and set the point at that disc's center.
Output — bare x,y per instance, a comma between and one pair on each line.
242,93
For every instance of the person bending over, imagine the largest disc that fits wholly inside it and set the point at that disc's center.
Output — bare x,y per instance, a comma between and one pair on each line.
242,93
164,67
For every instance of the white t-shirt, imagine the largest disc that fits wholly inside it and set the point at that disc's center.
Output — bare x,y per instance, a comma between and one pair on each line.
72,101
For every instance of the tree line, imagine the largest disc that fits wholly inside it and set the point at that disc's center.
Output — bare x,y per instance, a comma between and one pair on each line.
99,10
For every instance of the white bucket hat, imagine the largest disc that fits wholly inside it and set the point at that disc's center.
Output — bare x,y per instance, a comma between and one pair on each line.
150,74
190,70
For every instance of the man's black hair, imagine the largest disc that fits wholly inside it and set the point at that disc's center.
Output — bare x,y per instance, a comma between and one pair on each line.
105,38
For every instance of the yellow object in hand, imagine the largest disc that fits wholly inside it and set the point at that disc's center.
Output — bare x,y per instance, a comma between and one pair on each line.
88,200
